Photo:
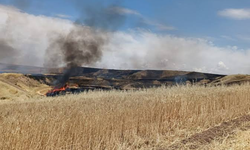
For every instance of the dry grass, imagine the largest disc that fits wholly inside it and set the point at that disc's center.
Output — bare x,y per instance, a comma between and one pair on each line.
240,140
19,87
231,79
145,119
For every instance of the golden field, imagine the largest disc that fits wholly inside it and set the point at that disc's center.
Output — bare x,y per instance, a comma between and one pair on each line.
178,117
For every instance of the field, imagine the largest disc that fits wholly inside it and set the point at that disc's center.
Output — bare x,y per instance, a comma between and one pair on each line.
177,117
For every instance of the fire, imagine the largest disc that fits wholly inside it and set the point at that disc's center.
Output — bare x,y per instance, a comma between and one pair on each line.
57,91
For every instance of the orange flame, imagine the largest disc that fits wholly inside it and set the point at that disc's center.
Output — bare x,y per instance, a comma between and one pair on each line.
58,90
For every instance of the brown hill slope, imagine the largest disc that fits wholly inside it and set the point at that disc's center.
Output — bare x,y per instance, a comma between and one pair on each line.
34,83
232,79
19,87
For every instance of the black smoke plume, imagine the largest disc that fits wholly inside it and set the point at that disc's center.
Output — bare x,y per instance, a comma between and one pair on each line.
83,45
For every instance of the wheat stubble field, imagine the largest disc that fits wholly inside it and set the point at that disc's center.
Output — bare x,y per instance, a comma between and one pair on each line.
179,117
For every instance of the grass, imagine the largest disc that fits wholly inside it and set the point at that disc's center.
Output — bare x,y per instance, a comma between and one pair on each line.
144,119
240,140
19,87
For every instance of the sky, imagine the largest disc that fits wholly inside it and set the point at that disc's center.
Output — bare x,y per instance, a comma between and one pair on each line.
188,18
213,34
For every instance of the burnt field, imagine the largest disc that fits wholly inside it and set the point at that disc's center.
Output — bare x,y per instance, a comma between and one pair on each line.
83,79
93,78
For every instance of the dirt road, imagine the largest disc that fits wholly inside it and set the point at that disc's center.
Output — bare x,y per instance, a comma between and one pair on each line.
217,133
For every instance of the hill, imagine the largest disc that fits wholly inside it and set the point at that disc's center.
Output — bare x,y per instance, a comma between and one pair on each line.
19,87
27,81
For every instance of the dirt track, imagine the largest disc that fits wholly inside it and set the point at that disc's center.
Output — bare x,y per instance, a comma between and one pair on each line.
220,132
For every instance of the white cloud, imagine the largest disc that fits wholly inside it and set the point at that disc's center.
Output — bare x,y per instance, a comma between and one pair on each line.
238,14
222,66
125,11
147,21
62,16
244,37
227,38
158,25
141,49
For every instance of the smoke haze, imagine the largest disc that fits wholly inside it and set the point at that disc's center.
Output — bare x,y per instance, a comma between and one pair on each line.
32,36
8,53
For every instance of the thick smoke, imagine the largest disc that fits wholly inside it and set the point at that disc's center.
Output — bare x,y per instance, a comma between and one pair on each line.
8,53
83,45
25,36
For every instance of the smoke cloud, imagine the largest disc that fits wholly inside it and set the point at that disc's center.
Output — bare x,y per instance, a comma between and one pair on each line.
8,53
143,49
29,35
35,37
83,44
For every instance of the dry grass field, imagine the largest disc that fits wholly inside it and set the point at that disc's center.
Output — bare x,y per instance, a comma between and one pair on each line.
180,117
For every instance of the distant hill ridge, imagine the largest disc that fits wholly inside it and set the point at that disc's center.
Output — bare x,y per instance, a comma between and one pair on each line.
38,80
105,73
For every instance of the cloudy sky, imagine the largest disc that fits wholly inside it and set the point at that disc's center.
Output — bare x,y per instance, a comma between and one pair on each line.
208,36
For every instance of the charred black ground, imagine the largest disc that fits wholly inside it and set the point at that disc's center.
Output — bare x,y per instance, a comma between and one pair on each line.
106,79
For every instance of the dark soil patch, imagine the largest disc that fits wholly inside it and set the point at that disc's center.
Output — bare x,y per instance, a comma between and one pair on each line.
215,133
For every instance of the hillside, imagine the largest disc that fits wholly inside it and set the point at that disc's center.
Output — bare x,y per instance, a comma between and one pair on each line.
29,82
19,87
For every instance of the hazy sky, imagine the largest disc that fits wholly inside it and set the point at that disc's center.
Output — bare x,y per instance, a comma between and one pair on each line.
225,22
207,35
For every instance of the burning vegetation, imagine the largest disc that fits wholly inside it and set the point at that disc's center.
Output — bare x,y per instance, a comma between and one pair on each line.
58,91
83,45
